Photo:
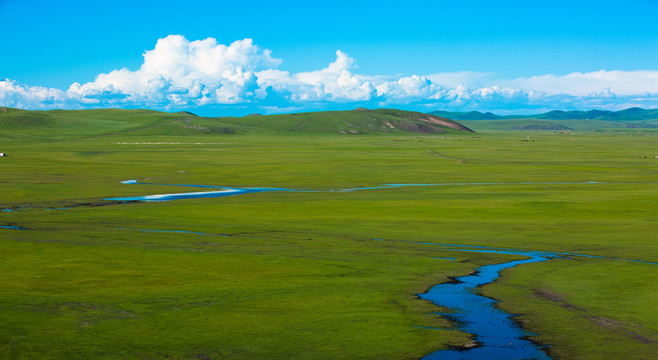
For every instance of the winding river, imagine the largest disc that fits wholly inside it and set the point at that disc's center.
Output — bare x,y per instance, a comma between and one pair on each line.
231,191
495,334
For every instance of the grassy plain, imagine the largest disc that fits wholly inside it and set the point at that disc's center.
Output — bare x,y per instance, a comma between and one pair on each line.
298,274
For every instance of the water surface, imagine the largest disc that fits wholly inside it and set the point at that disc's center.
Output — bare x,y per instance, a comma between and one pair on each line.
231,191
226,191
495,333
13,227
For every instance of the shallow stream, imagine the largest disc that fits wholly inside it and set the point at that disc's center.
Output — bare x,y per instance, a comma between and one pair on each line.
495,334
231,191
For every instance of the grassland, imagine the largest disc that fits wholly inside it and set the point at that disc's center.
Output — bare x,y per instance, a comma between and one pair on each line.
298,274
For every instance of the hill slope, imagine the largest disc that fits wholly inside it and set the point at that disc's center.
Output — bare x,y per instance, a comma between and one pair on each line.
19,124
358,121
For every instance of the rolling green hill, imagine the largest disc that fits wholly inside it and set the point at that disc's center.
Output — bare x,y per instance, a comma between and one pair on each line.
60,124
358,121
64,124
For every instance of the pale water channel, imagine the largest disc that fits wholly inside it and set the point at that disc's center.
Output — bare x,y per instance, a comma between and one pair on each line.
231,191
13,227
225,191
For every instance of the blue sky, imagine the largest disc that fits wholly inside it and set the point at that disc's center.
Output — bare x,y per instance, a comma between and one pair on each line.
501,56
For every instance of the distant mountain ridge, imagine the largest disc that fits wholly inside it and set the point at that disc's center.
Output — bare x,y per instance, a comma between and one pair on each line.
630,114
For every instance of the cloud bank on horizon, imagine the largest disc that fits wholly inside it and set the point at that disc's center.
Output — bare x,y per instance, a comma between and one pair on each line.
183,74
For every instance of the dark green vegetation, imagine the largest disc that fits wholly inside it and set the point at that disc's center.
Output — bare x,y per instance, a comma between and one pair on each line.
299,275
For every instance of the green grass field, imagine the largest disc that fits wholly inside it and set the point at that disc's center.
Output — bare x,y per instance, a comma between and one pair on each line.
298,274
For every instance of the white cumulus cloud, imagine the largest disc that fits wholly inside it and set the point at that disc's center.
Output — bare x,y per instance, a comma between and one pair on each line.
181,73
590,83
17,95
407,88
334,83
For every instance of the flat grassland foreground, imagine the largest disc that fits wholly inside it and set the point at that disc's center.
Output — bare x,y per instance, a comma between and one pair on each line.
297,274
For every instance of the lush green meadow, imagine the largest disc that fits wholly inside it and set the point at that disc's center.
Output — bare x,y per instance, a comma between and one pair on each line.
299,274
